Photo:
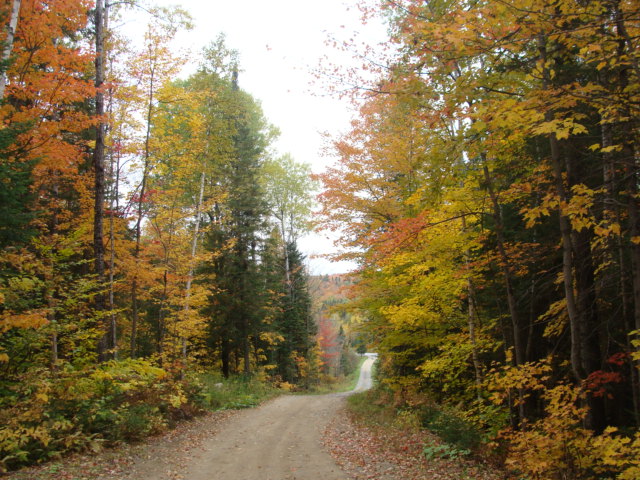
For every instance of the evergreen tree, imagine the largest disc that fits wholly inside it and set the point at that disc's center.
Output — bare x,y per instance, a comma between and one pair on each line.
289,327
236,227
16,196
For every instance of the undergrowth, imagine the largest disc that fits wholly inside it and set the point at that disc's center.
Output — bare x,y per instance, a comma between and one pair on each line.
380,406
233,393
51,414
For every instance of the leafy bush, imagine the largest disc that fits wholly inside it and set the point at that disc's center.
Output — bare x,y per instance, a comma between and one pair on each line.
139,421
450,427
557,446
48,414
443,450
373,406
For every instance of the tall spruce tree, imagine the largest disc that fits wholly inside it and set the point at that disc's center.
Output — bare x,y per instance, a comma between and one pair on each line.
235,229
288,323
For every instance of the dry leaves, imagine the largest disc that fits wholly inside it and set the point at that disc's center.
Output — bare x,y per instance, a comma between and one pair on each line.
368,452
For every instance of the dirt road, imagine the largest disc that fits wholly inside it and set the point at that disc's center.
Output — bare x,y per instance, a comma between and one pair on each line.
281,440
365,382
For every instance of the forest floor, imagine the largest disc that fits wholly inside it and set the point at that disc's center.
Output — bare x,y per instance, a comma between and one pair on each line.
374,452
290,437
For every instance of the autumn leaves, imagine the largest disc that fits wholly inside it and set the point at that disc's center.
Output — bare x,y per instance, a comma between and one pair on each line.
489,192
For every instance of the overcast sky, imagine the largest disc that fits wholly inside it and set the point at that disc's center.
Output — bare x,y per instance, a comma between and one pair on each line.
281,42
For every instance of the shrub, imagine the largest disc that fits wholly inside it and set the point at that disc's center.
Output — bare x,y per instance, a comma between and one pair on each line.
139,421
450,427
48,414
443,450
557,446
373,406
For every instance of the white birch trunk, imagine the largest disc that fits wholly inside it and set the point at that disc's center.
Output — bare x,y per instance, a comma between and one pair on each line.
8,47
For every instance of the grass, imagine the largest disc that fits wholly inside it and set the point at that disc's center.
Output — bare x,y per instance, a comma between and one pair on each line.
234,393
371,407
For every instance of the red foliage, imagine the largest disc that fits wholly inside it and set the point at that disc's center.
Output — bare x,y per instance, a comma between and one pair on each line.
328,342
618,359
598,381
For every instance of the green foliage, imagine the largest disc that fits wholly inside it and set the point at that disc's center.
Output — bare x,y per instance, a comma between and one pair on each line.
16,196
374,406
349,361
450,427
444,450
287,324
219,393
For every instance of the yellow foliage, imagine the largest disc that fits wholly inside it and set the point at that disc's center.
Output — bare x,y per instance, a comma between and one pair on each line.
178,398
530,376
556,318
286,386
272,338
635,341
33,319
558,446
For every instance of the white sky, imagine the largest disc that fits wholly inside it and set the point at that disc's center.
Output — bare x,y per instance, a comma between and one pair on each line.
280,43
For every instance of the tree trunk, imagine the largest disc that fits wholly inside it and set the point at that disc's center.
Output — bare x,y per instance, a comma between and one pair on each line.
246,347
591,354
50,290
225,355
194,248
287,267
472,316
508,282
141,194
106,346
505,266
114,205
8,43
565,232
134,318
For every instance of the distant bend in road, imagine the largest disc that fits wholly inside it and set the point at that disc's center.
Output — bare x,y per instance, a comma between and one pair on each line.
365,382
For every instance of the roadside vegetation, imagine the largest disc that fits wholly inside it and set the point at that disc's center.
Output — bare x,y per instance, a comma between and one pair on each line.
382,435
127,408
489,190
117,402
457,436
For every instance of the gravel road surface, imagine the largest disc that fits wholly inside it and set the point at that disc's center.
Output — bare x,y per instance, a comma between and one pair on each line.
280,440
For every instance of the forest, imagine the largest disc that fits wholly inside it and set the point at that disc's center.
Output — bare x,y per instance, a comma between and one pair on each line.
488,190
148,233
